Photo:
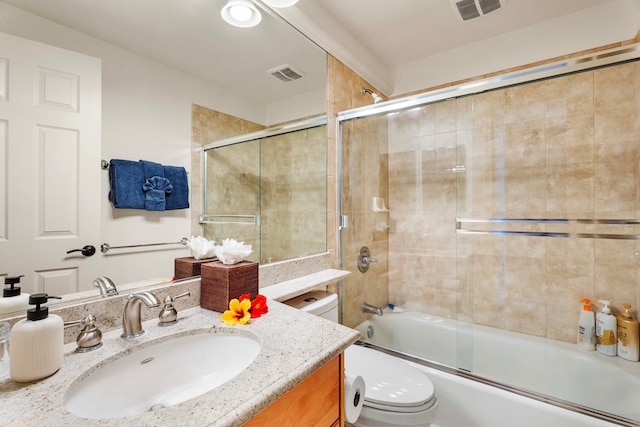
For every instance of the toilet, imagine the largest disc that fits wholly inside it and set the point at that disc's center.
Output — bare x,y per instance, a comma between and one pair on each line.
396,393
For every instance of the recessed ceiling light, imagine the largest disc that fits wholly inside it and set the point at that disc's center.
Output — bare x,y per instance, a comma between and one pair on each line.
279,3
241,13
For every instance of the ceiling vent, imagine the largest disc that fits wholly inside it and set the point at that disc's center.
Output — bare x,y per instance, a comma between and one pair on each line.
286,73
466,10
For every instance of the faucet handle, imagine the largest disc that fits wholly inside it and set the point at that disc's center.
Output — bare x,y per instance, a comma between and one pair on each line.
365,259
169,315
90,337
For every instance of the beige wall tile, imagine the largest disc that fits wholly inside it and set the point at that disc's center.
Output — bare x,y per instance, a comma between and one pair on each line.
571,96
560,148
525,103
611,88
364,177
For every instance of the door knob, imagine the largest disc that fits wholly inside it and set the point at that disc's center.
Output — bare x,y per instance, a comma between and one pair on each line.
88,250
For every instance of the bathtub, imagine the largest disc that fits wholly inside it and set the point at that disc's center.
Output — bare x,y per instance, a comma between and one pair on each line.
534,366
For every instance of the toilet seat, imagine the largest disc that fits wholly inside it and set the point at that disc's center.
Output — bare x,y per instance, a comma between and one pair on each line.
391,384
403,409
396,393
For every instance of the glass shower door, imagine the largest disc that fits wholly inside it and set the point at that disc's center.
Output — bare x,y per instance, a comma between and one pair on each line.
269,191
232,195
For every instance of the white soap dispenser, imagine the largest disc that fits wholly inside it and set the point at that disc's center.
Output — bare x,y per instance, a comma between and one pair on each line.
606,325
37,343
587,326
12,297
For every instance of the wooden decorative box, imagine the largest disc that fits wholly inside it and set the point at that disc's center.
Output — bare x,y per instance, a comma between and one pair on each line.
221,283
189,267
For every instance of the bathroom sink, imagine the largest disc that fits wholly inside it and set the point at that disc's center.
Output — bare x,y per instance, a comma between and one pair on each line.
161,375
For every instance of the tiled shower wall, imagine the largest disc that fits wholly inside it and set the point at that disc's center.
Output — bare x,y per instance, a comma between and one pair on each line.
280,177
208,126
294,194
362,172
568,147
233,188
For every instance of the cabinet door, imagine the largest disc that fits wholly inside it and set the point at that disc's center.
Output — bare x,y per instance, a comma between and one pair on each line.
315,402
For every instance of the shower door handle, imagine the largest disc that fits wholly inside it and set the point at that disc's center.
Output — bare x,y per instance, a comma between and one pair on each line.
344,222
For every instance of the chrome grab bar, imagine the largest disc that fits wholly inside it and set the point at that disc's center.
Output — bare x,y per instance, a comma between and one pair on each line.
252,219
548,221
105,247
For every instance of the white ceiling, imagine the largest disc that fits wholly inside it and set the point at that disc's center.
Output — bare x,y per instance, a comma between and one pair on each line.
399,31
191,36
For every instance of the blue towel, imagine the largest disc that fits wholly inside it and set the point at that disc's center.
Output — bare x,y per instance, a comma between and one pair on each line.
127,179
154,193
151,169
125,184
179,197
154,186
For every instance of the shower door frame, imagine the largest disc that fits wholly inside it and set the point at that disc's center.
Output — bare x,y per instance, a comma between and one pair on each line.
614,56
249,219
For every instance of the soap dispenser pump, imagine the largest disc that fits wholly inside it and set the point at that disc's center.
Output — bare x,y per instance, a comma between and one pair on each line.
37,342
13,299
606,327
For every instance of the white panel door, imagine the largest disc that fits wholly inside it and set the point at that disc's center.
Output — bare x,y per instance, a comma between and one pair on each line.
50,116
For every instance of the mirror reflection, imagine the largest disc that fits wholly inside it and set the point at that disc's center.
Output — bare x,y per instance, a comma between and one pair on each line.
269,191
147,83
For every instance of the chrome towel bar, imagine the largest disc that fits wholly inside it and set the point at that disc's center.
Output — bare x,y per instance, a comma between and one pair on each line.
105,247
235,219
548,221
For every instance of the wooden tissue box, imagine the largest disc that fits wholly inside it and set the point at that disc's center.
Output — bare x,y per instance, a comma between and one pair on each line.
221,283
188,267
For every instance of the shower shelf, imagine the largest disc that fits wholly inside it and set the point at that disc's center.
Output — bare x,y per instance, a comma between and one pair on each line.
548,221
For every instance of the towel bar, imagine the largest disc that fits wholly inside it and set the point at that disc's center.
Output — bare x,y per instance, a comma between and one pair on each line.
104,164
238,219
105,247
549,221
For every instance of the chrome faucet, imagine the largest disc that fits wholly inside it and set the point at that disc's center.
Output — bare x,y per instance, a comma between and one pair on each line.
107,287
368,308
131,323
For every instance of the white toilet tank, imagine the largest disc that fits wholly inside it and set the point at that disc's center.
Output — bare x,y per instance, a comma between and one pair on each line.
320,303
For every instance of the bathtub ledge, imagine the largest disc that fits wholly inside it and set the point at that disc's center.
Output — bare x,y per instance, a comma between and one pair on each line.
292,288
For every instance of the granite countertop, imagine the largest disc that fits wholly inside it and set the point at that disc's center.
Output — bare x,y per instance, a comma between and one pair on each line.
294,345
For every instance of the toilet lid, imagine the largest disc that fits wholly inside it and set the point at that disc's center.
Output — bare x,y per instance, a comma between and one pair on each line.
389,382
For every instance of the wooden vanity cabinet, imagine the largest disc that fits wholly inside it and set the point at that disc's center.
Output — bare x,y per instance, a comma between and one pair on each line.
315,402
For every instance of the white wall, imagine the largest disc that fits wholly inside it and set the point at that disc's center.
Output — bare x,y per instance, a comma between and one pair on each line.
305,105
601,25
146,114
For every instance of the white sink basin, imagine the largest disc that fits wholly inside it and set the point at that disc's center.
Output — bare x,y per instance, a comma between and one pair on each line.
161,375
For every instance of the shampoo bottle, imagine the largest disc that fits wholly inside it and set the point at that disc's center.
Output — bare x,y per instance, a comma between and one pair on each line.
12,297
606,326
37,343
628,335
587,327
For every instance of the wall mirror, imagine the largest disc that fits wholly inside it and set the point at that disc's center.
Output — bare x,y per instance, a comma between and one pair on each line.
163,58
